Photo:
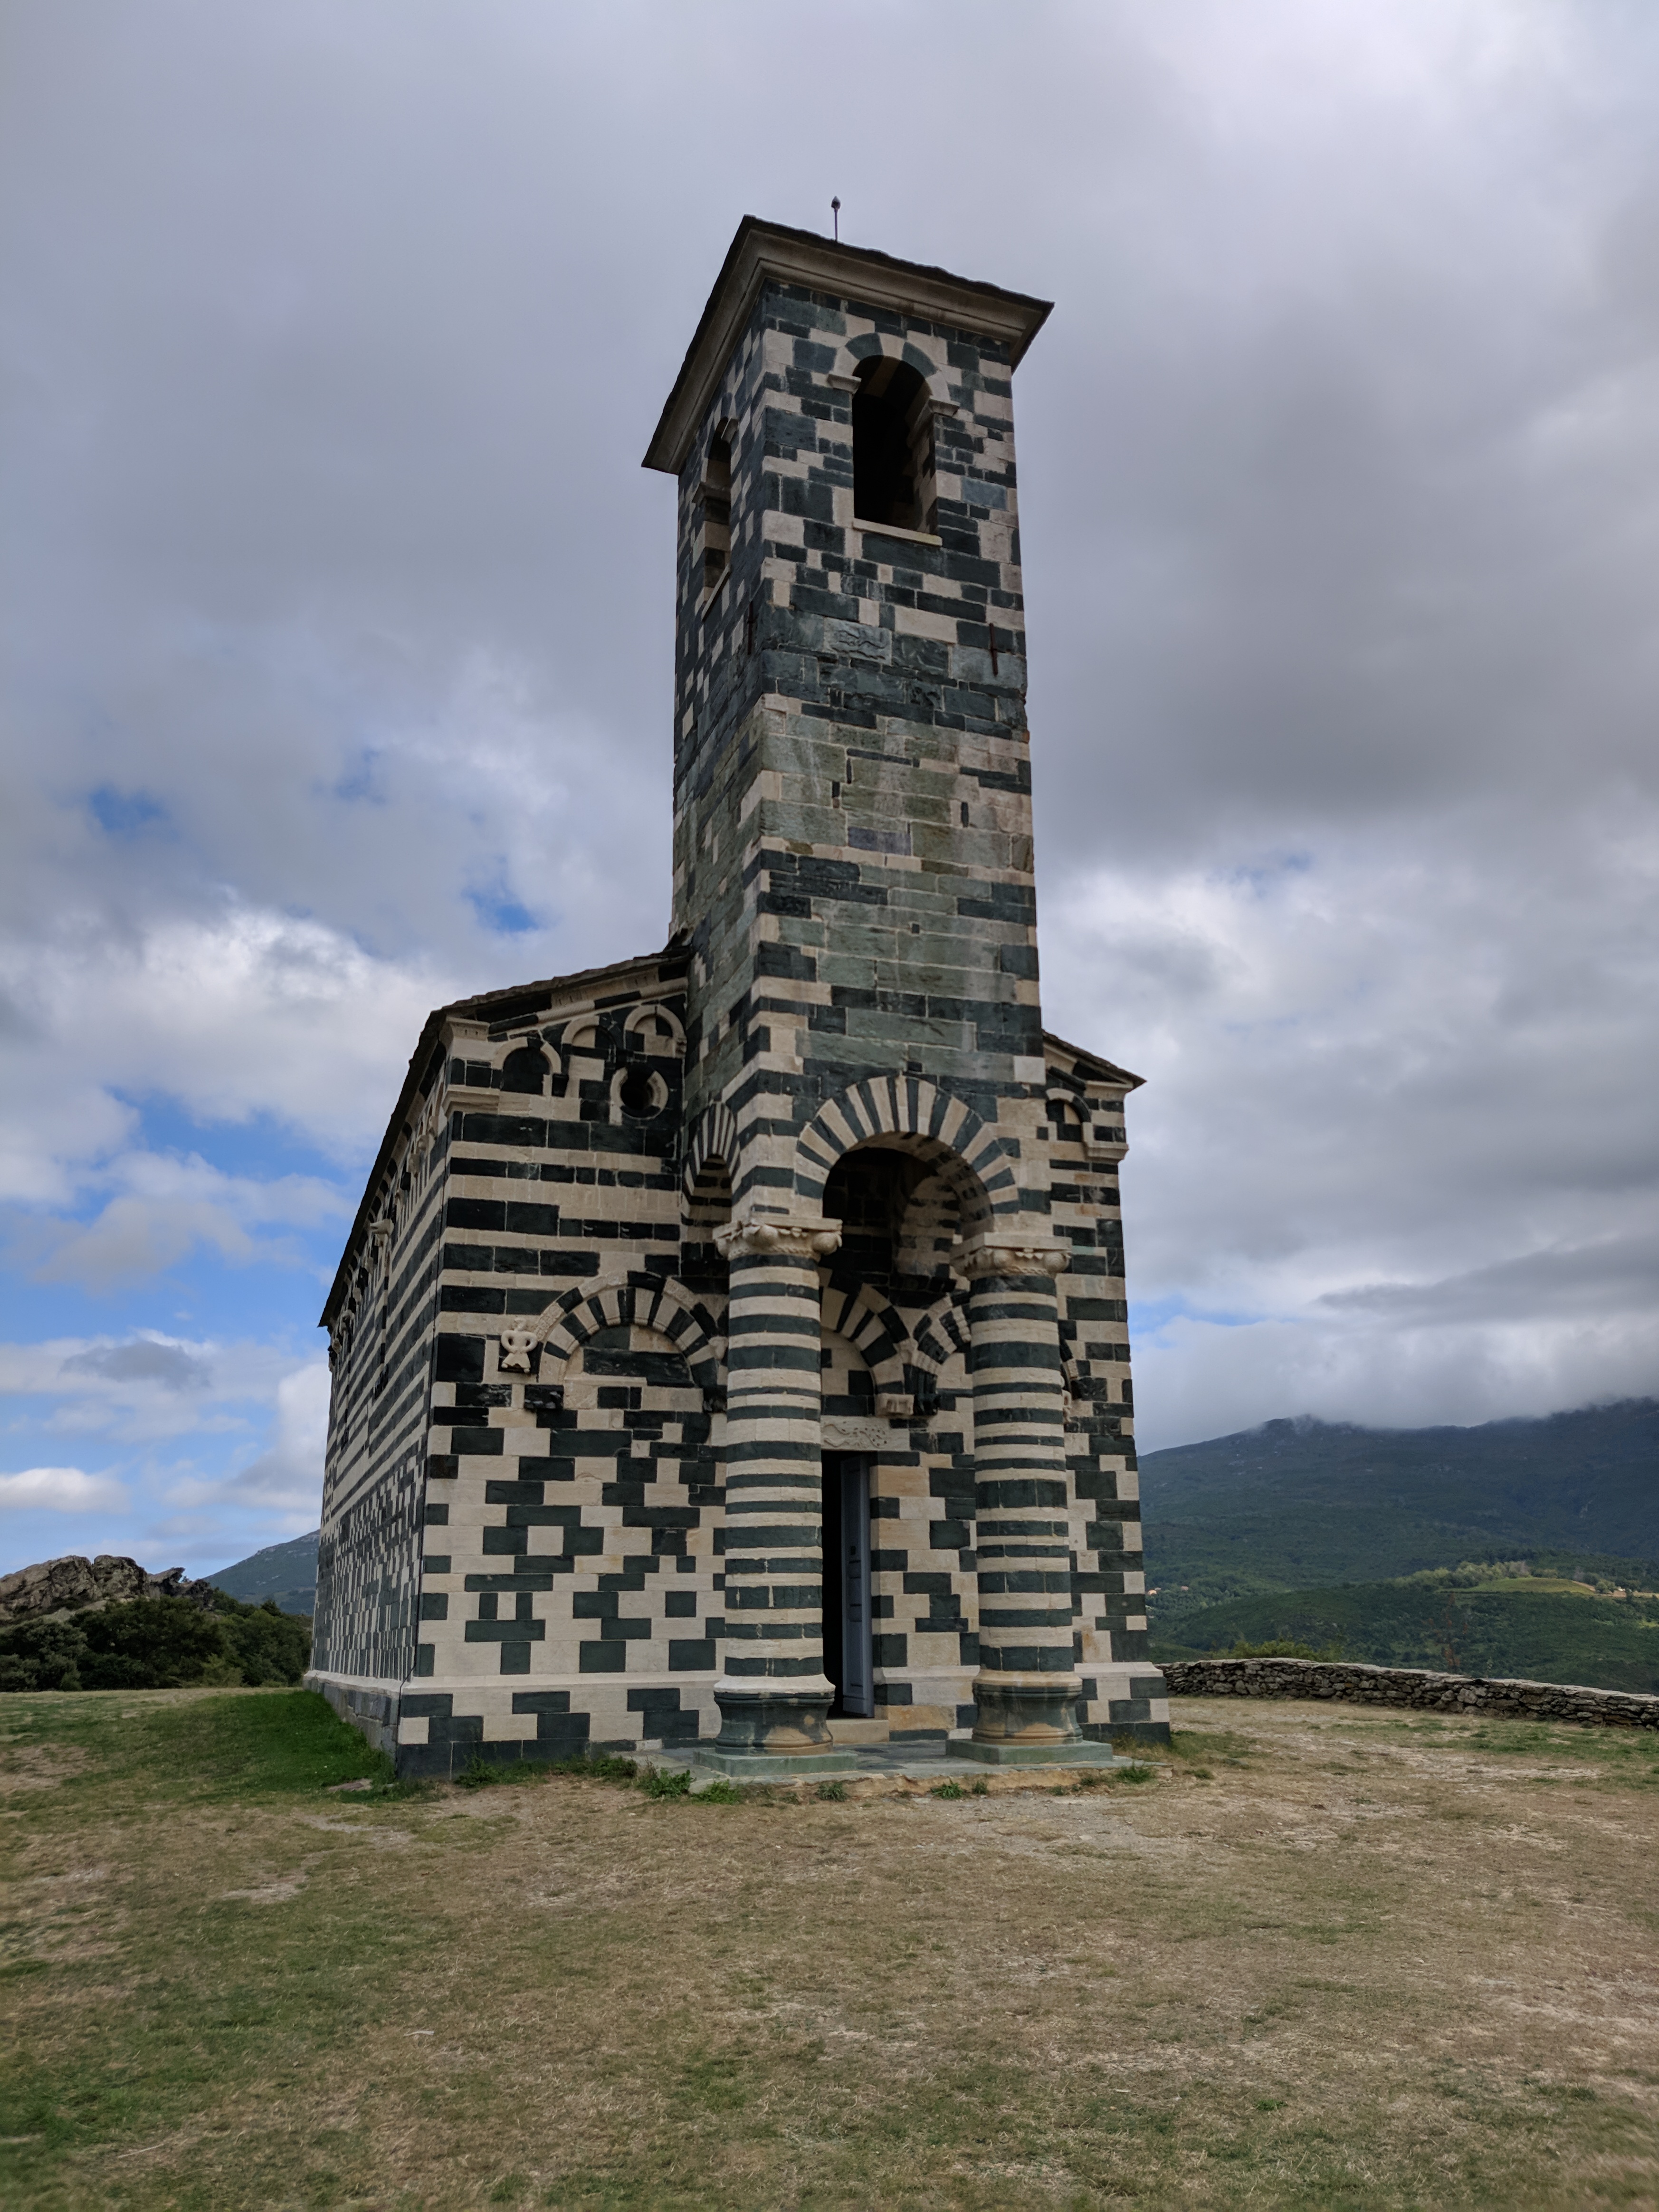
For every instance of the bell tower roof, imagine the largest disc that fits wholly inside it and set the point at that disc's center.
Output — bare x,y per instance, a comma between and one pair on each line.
763,250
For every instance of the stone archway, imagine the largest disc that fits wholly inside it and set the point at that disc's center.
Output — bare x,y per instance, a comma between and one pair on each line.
637,1300
914,1115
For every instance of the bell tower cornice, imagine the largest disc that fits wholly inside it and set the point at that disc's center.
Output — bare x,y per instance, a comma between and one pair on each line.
763,252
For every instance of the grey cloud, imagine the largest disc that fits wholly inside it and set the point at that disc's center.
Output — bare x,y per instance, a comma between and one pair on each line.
336,334
1617,1275
167,1366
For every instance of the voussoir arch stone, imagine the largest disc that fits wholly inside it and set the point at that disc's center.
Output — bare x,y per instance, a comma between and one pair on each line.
636,1300
714,1135
873,1323
918,1116
872,345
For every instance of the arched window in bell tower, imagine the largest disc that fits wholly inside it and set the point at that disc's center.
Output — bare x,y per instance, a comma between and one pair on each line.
892,446
715,496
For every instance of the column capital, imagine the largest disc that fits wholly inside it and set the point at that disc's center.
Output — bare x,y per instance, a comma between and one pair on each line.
787,1237
784,1235
991,1255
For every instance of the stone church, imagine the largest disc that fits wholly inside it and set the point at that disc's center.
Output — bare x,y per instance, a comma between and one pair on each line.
729,1354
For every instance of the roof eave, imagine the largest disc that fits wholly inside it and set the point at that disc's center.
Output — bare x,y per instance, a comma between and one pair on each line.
1104,1070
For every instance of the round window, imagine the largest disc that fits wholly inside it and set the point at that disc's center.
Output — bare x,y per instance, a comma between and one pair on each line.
638,1093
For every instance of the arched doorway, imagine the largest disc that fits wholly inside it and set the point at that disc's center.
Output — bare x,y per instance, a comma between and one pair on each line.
900,1201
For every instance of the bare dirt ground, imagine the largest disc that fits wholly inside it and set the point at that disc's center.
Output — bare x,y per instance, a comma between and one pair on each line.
1326,1957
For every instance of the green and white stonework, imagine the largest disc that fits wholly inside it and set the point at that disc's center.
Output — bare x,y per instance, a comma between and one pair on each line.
643,1246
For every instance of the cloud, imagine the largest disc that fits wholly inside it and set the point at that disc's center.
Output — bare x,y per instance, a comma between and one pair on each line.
289,1476
341,659
220,1445
1614,1276
1201,1377
143,1360
147,1389
234,1013
1395,1117
61,1490
165,1207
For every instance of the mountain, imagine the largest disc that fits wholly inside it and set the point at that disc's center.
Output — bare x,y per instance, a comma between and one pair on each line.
1301,1505
286,1572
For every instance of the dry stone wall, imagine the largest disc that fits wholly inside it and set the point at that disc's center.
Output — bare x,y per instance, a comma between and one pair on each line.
1410,1686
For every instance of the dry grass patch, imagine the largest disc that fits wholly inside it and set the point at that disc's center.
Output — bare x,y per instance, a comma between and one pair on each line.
1325,1958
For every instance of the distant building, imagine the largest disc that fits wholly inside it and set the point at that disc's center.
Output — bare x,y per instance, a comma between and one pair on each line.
730,1347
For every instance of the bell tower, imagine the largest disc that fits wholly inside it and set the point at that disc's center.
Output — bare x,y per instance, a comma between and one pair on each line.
853,861
853,886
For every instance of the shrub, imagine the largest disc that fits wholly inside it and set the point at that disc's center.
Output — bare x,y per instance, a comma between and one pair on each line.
157,1643
599,1766
658,1784
268,1646
148,1644
41,1654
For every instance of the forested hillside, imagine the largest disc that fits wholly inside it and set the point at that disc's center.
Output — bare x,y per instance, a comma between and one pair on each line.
1516,1627
286,1572
1305,1504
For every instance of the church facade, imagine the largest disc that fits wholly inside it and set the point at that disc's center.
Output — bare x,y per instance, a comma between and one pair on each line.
730,1353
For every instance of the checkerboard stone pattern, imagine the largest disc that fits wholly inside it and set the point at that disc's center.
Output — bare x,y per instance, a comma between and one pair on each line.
642,1245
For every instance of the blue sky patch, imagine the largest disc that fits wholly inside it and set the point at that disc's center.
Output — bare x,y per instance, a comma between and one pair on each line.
125,813
499,911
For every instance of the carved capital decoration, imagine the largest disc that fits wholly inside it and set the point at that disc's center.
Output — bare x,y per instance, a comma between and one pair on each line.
987,1255
760,1235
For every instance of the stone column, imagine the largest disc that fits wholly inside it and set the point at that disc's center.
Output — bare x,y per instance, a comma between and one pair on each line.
1027,1681
773,1693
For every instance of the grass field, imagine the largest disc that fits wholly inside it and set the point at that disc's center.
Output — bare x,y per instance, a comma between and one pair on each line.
1325,1958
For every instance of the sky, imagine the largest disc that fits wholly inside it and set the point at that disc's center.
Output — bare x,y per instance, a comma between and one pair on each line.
336,643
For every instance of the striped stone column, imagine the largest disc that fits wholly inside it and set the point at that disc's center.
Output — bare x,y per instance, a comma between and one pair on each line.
1027,1681
773,1693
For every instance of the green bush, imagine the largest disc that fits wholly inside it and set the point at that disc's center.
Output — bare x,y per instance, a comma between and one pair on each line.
268,1646
659,1784
41,1654
157,1643
149,1644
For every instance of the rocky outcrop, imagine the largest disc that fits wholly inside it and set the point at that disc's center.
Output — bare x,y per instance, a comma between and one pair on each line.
1355,1684
74,1585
